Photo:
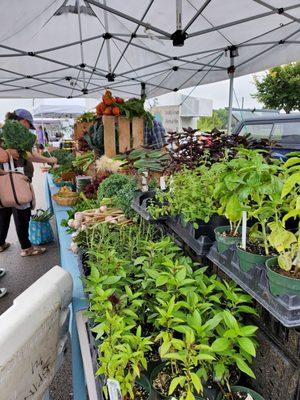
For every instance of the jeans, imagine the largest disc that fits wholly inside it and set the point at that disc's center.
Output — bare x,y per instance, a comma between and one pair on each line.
22,218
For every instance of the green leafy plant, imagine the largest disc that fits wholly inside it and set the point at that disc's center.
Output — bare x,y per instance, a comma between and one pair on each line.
285,242
84,161
42,215
95,137
16,136
144,159
64,157
190,194
280,87
88,116
111,185
135,108
250,183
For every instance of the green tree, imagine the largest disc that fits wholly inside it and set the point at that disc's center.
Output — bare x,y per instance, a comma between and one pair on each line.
218,120
280,88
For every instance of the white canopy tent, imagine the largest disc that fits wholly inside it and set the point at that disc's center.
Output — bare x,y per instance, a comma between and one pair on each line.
58,111
73,48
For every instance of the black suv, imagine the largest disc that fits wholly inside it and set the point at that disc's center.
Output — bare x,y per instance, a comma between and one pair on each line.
284,129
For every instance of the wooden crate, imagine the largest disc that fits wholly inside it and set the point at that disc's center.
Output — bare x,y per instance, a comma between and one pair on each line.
79,129
130,134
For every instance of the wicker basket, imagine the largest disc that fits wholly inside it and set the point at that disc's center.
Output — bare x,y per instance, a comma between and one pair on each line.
65,201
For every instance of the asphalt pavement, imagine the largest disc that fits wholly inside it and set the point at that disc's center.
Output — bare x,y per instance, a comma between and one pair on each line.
21,272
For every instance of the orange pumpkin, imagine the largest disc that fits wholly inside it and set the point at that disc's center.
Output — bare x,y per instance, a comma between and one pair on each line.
116,111
107,111
108,101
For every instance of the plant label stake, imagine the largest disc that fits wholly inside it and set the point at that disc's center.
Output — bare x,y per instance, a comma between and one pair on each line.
114,389
145,181
244,230
162,183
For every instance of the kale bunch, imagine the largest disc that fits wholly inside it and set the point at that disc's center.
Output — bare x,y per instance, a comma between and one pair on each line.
16,136
111,186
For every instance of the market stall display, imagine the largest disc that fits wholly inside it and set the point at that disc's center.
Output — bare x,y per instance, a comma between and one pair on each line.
200,188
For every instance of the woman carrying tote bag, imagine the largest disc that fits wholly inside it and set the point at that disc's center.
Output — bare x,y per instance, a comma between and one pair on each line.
20,213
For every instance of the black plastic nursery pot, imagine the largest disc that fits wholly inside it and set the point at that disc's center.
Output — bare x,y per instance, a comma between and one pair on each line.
247,260
225,242
209,393
208,228
281,285
141,202
237,389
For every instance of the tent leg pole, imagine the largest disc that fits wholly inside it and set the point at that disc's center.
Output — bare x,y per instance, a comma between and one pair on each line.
233,51
231,79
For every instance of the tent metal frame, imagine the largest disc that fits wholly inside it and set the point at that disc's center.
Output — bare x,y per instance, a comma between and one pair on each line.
112,78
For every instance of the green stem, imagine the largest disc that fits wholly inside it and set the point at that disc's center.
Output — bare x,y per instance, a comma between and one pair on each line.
237,228
263,228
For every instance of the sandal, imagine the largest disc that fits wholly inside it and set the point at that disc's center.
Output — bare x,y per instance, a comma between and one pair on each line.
3,292
4,247
2,272
33,251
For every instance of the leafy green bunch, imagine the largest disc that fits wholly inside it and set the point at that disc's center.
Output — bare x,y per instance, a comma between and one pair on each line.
144,159
16,136
121,190
135,108
64,157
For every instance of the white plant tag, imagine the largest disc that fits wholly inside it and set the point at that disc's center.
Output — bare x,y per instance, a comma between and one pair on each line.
249,397
114,389
162,182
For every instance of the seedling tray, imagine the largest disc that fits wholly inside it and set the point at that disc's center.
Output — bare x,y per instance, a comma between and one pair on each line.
200,244
285,309
140,204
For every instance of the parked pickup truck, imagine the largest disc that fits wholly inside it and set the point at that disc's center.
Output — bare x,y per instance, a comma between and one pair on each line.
284,129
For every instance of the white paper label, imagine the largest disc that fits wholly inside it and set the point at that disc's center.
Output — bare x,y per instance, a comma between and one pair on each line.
114,389
162,183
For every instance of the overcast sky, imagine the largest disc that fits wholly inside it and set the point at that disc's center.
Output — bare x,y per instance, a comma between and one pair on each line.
218,92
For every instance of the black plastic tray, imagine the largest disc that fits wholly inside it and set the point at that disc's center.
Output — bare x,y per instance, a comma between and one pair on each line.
200,244
285,309
141,202
277,376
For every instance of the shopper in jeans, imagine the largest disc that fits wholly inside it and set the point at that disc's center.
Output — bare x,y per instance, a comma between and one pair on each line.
21,215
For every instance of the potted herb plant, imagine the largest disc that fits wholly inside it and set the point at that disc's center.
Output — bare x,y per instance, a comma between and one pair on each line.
240,393
283,272
263,184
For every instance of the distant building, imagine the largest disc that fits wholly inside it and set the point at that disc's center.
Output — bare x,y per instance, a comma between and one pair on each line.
177,111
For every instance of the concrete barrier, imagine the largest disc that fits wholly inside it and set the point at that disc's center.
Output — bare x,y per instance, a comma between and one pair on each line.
33,333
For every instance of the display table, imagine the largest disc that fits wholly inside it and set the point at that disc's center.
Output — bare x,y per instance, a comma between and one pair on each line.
69,262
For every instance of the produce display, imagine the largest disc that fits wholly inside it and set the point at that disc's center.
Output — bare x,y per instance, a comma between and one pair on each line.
117,106
165,325
15,136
